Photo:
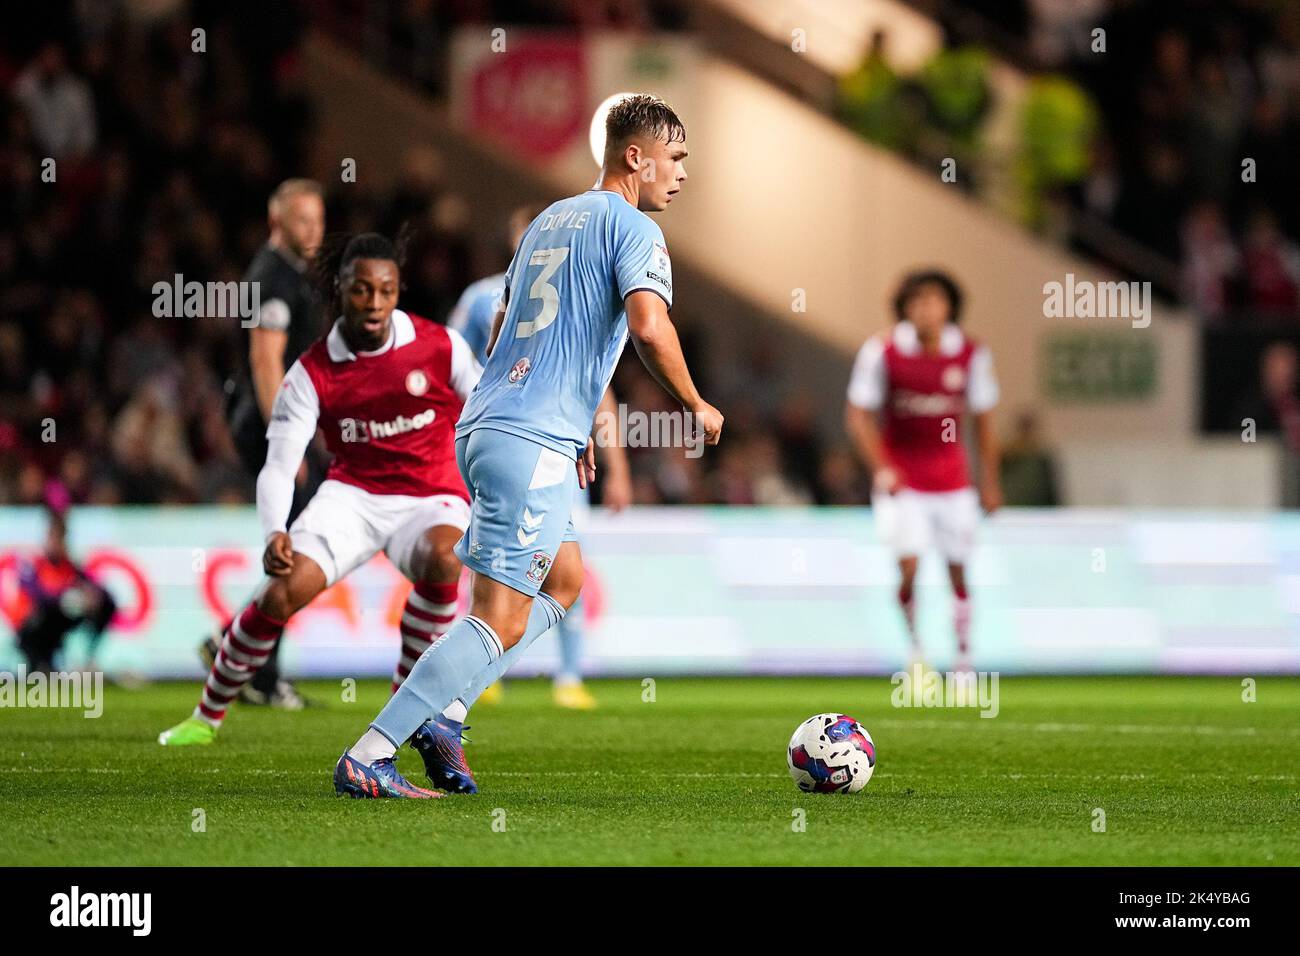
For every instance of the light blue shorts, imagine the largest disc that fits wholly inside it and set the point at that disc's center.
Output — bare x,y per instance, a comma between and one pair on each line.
522,498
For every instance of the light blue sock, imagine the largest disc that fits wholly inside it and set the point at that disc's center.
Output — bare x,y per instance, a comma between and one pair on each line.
546,613
441,673
570,633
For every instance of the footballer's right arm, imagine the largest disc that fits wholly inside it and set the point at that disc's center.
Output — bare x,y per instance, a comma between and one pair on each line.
289,432
865,436
656,341
866,395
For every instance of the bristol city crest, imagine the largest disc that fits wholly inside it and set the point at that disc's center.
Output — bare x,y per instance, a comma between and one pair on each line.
521,369
954,378
417,383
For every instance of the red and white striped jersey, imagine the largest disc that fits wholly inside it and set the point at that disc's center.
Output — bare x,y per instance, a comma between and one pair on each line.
388,416
922,399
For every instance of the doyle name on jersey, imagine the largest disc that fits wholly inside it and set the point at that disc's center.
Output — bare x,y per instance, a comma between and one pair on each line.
388,416
922,398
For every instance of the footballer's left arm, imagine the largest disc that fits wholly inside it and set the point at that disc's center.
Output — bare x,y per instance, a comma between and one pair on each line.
990,454
982,395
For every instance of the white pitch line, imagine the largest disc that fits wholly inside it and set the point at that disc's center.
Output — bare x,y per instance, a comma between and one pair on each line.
1000,724
1051,775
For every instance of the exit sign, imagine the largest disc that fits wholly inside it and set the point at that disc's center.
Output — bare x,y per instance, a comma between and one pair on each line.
1109,366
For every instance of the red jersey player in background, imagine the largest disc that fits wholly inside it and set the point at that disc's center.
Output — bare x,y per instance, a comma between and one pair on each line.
910,390
386,389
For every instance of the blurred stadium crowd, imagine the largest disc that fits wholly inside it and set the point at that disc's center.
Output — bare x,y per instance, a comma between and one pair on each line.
163,165
165,161
1221,85
1134,149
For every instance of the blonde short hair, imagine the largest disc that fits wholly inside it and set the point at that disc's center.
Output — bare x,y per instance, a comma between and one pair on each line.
290,188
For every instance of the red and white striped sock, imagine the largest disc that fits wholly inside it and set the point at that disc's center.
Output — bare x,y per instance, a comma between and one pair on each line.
429,611
907,602
961,622
244,649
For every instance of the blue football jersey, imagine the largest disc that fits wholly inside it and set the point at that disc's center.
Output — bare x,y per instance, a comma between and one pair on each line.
565,324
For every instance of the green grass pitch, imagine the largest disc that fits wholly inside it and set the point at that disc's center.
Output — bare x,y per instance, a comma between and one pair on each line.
1184,770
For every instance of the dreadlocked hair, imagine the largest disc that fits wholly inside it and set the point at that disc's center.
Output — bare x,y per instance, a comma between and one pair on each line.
339,250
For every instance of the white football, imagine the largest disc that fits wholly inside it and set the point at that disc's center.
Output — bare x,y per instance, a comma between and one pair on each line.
831,753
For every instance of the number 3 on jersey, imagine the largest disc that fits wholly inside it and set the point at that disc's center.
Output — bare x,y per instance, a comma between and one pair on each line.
542,289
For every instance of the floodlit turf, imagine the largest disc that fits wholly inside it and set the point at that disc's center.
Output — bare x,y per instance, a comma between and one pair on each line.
1184,770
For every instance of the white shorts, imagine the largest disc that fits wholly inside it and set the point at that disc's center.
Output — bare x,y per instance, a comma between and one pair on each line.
343,527
912,522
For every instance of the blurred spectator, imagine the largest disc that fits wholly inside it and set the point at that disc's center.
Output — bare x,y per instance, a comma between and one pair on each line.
840,478
1058,122
1028,468
799,444
1214,130
1154,199
1210,260
1061,29
768,479
149,446
58,103
873,101
1100,189
1271,264
1270,142
1280,409
1279,60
